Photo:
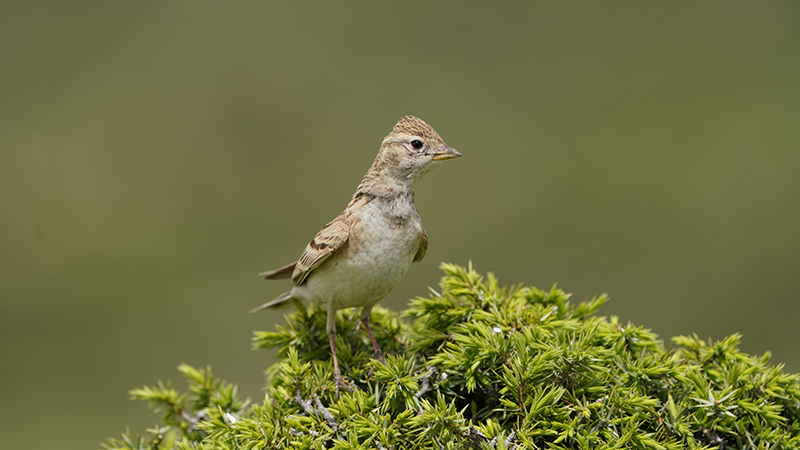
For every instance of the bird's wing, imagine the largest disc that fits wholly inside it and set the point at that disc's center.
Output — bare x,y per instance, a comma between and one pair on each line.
330,238
423,247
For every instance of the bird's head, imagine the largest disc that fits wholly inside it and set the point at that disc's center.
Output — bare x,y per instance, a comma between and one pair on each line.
413,148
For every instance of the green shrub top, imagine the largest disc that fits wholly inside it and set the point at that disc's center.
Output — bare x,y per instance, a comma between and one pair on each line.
479,366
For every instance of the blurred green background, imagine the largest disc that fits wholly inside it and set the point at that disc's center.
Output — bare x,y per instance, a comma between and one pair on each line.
156,155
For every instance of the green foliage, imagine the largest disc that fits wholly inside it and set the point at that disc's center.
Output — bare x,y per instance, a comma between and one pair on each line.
477,366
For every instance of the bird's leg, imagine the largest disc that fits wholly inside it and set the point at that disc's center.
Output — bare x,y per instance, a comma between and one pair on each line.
365,313
338,380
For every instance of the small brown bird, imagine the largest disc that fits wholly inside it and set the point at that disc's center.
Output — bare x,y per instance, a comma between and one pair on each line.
362,254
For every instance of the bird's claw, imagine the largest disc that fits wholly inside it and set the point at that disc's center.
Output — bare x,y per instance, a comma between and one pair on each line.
338,381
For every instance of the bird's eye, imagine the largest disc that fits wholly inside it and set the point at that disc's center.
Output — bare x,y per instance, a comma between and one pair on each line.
417,144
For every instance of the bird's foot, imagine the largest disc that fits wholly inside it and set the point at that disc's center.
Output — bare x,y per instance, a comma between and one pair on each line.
379,356
338,381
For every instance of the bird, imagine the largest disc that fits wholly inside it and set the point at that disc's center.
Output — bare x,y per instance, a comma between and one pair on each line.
359,257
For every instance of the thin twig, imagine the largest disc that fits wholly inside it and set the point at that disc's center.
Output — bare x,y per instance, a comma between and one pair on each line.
326,414
511,438
305,405
426,384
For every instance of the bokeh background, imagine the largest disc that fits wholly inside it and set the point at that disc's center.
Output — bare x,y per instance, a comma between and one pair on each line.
155,156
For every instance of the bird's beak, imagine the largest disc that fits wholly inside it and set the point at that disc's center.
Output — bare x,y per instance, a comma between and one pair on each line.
446,153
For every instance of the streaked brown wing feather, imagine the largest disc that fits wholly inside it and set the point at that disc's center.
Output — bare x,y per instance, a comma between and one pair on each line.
423,247
329,239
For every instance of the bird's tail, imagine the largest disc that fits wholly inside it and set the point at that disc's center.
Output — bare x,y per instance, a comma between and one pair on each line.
278,274
276,302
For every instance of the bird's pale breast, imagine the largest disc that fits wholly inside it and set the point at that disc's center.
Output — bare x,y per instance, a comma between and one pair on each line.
381,246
